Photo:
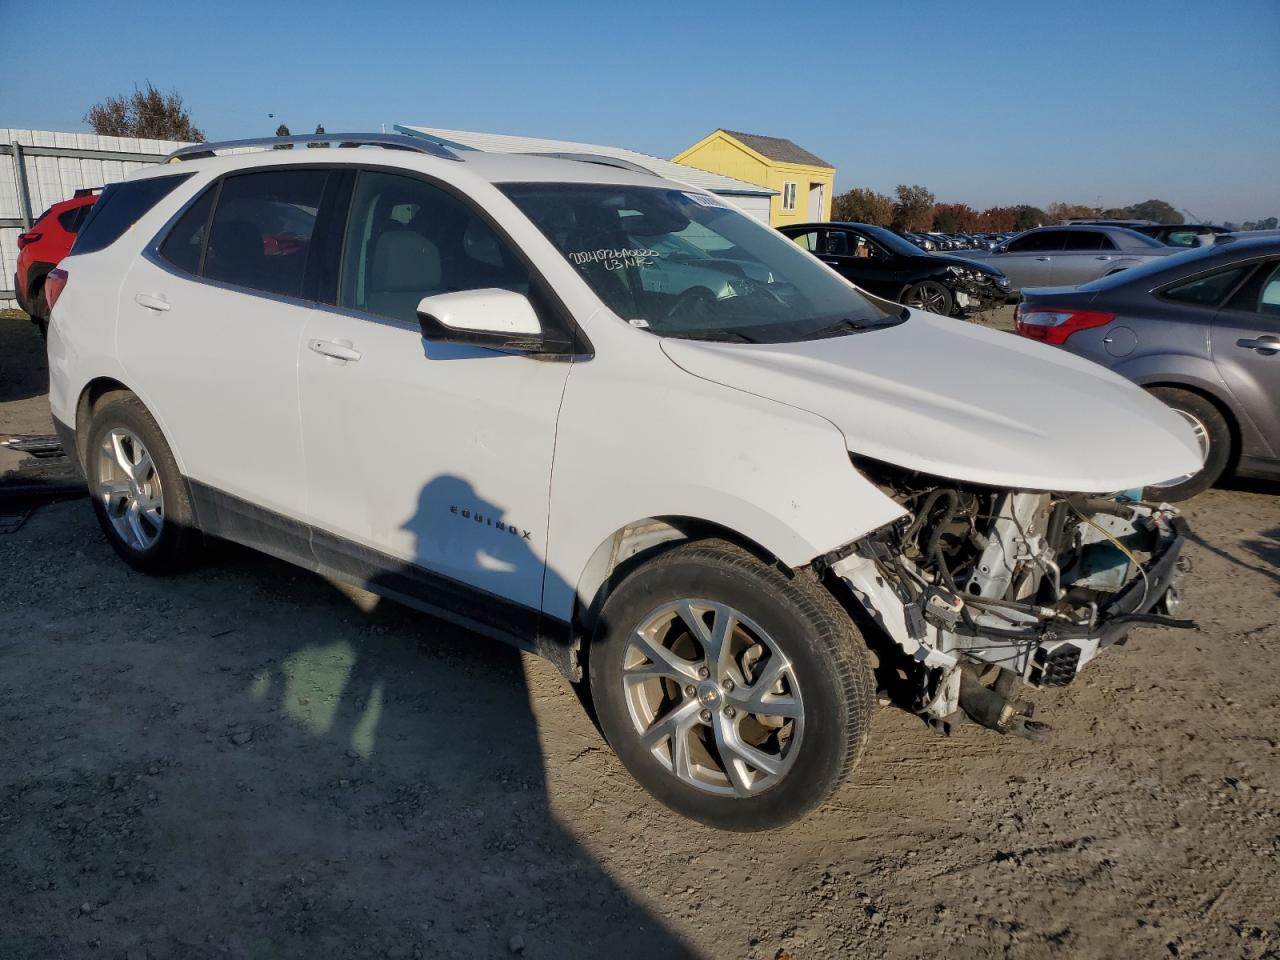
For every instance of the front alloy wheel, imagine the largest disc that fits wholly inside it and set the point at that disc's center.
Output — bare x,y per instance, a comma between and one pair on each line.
932,296
713,698
736,693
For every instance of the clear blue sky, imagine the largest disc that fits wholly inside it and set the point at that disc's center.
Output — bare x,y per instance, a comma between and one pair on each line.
982,102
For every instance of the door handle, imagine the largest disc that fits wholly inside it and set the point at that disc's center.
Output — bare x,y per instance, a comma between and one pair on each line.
1102,258
833,263
1267,345
152,301
1044,259
340,350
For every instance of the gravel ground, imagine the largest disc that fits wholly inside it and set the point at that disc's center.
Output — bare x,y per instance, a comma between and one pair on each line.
249,761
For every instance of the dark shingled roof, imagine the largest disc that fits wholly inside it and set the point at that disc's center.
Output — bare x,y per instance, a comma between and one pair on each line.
777,148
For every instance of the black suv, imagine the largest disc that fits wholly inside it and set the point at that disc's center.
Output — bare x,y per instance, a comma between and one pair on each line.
886,264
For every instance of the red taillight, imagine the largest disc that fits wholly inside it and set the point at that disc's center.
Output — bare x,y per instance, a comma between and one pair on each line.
53,285
1050,325
25,238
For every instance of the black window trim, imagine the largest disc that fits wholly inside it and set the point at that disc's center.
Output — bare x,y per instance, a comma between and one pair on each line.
1269,263
581,348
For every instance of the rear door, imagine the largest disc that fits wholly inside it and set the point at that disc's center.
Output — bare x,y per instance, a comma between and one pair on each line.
1028,260
1246,351
1086,255
211,322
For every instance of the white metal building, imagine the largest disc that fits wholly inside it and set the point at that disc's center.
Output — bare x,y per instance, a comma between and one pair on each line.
40,167
750,197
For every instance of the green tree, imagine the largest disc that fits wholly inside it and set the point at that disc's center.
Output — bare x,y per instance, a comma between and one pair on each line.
282,131
1158,210
1026,217
319,133
913,209
955,218
860,205
144,113
1060,211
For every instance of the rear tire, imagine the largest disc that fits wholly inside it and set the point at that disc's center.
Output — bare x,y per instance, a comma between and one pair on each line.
40,313
1212,430
139,496
750,740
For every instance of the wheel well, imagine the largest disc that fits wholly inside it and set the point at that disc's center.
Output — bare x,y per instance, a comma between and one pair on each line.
95,394
1222,408
639,542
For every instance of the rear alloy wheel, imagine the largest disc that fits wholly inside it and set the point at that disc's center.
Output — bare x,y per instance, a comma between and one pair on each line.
734,694
1212,433
139,496
932,296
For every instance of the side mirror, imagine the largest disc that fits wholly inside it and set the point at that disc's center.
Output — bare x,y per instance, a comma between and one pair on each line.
492,317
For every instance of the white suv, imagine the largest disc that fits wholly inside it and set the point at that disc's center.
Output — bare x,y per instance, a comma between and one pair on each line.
611,419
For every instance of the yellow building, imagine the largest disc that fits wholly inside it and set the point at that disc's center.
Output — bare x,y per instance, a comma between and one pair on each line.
804,183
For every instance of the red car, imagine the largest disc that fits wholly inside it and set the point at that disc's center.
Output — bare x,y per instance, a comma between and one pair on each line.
41,247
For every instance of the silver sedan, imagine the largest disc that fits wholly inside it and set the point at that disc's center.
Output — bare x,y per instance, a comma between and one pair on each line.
1068,256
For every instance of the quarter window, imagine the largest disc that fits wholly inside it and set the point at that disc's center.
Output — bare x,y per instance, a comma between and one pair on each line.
184,245
261,231
120,206
1206,291
407,239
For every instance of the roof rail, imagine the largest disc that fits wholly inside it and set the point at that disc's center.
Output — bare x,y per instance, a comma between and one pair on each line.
603,159
390,141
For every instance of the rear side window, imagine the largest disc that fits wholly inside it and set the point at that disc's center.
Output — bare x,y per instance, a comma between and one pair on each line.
1261,294
70,220
185,244
261,231
1208,290
1088,240
119,207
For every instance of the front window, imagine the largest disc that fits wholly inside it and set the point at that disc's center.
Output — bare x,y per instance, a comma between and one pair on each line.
686,264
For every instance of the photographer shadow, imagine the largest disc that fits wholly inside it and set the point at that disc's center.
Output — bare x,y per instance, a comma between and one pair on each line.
440,766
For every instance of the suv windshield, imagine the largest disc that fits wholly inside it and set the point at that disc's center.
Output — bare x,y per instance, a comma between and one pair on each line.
685,264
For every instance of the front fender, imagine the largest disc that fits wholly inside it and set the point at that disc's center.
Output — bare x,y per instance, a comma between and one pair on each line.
774,475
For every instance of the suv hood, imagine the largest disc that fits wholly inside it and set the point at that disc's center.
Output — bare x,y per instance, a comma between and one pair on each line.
951,399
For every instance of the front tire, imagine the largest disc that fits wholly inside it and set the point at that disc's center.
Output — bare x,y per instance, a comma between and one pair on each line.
931,295
734,694
1213,434
139,496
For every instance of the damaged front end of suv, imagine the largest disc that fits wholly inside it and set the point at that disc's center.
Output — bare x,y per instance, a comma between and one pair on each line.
981,590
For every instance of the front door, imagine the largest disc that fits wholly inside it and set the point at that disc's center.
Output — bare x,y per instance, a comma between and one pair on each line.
860,260
1028,260
1246,351
436,457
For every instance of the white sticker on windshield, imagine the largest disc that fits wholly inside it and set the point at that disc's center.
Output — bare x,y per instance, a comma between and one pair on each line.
613,259
707,200
637,322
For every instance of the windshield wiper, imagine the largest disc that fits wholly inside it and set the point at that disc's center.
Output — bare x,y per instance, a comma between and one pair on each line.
843,327
723,336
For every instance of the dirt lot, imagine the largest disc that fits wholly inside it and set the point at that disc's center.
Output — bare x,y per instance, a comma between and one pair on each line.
249,761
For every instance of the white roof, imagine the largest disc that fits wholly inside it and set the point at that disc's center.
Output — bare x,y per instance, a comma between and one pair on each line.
504,143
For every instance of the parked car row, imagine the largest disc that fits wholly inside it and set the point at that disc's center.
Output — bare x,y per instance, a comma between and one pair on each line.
880,261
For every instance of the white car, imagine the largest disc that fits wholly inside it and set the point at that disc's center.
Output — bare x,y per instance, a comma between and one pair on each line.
722,497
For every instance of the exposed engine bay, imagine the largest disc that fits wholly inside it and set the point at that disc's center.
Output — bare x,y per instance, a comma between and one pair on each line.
986,589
